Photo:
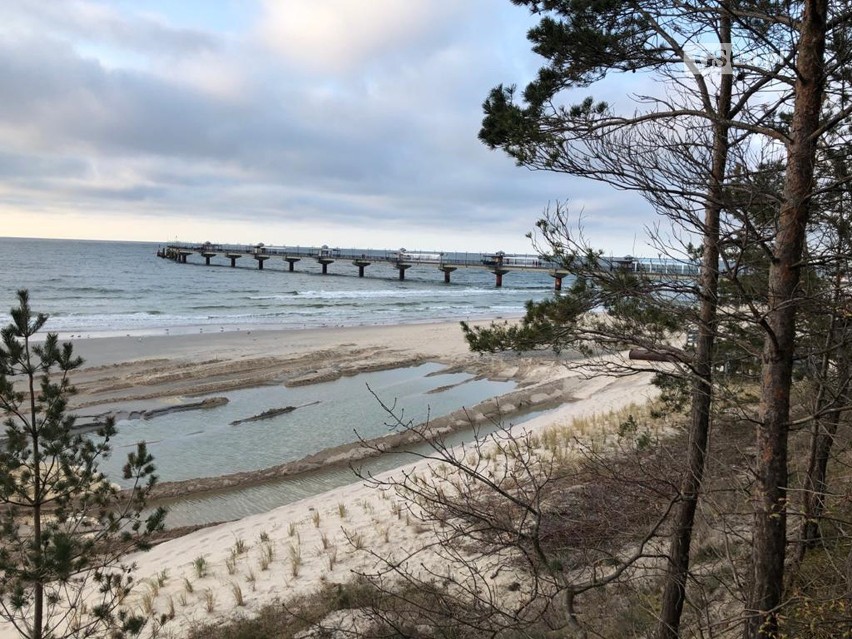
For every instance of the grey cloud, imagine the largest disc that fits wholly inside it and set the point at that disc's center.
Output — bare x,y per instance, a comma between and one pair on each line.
394,143
102,23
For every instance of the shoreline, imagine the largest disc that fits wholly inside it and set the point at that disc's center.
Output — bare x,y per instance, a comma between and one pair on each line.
126,377
166,370
214,328
126,374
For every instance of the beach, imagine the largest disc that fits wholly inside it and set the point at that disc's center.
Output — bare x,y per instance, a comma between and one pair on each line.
126,374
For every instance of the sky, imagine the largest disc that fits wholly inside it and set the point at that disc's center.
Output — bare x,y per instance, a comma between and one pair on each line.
289,122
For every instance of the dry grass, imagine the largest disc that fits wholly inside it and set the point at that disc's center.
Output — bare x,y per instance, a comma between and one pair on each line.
209,601
200,565
237,593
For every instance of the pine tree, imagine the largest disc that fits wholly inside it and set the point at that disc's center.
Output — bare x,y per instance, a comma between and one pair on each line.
64,526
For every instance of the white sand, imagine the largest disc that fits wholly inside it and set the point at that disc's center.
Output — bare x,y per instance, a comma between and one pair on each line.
298,529
369,517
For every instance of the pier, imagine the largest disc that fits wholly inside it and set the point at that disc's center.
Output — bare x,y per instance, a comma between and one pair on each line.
498,263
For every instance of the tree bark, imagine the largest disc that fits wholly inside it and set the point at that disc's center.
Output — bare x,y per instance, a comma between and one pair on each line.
822,436
38,557
770,500
674,593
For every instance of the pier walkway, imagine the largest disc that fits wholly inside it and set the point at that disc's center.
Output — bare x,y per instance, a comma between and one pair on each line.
498,263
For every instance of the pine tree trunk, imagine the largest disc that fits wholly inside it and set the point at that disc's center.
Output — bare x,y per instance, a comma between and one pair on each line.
822,440
38,586
674,593
836,358
770,499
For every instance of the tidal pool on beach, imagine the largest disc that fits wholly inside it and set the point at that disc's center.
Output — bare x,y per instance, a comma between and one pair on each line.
203,443
249,500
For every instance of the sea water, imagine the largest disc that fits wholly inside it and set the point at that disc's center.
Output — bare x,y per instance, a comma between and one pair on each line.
93,288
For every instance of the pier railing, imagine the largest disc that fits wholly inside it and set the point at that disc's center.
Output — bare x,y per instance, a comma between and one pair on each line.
498,262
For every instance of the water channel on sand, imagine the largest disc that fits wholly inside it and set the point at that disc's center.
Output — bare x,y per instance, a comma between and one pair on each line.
202,443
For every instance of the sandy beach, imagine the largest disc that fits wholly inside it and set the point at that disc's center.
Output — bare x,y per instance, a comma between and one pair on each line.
131,373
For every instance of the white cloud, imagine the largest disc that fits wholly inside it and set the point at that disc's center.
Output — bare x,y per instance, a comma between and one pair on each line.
338,35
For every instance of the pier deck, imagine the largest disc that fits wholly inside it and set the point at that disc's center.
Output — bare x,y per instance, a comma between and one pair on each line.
498,263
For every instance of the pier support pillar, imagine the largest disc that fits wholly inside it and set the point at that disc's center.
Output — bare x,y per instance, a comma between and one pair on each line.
325,261
447,270
206,260
260,260
558,276
361,264
233,262
402,268
498,274
183,258
233,257
291,261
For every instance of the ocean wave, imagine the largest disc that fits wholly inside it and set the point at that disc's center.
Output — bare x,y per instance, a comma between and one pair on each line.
404,293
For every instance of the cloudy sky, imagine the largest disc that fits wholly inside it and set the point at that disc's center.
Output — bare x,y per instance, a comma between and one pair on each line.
339,122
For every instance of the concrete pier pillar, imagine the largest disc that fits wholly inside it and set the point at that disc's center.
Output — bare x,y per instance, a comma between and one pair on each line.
447,270
260,260
498,274
233,257
558,276
292,263
207,260
325,261
447,277
361,264
233,262
324,268
402,268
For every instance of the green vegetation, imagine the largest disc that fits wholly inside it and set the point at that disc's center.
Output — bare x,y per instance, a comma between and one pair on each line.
64,526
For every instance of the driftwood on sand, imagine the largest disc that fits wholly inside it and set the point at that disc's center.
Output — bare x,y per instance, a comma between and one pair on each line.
210,402
269,414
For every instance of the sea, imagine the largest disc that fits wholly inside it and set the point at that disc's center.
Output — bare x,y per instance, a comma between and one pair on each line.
96,288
